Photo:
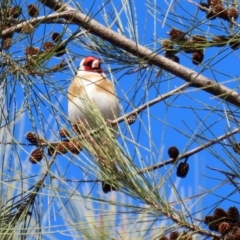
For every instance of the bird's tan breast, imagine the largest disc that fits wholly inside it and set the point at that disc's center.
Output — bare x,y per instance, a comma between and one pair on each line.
98,89
81,84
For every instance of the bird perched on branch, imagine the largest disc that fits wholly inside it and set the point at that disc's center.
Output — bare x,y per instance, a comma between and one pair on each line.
90,82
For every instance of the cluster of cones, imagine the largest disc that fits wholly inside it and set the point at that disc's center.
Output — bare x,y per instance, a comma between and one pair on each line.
66,145
227,223
183,167
11,18
192,45
34,53
195,45
14,13
216,9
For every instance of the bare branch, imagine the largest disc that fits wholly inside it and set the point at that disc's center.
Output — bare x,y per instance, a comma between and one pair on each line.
34,21
191,152
149,104
197,80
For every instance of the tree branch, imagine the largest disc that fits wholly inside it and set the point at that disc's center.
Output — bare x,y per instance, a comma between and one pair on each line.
196,80
149,104
190,153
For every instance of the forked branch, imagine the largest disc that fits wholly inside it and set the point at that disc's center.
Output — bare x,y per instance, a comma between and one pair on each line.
197,80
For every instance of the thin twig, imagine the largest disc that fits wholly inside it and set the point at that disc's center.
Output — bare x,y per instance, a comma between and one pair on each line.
197,80
61,66
224,172
207,139
190,153
33,21
233,183
150,103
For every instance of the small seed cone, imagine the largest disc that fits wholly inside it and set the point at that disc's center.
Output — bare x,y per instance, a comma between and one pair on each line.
197,57
208,219
33,138
182,170
36,156
62,147
48,46
63,132
234,44
74,147
60,51
224,227
220,11
32,51
173,152
233,13
174,235
176,34
211,222
233,214
32,10
56,37
219,213
14,12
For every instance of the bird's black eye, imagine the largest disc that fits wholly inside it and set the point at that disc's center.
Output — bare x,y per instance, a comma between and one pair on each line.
87,64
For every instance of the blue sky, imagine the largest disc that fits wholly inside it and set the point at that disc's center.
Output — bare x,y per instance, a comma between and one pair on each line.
175,121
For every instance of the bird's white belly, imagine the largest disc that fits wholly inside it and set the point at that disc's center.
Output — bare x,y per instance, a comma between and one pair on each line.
106,103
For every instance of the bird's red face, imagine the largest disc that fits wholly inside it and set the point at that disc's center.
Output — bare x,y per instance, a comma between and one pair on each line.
91,64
